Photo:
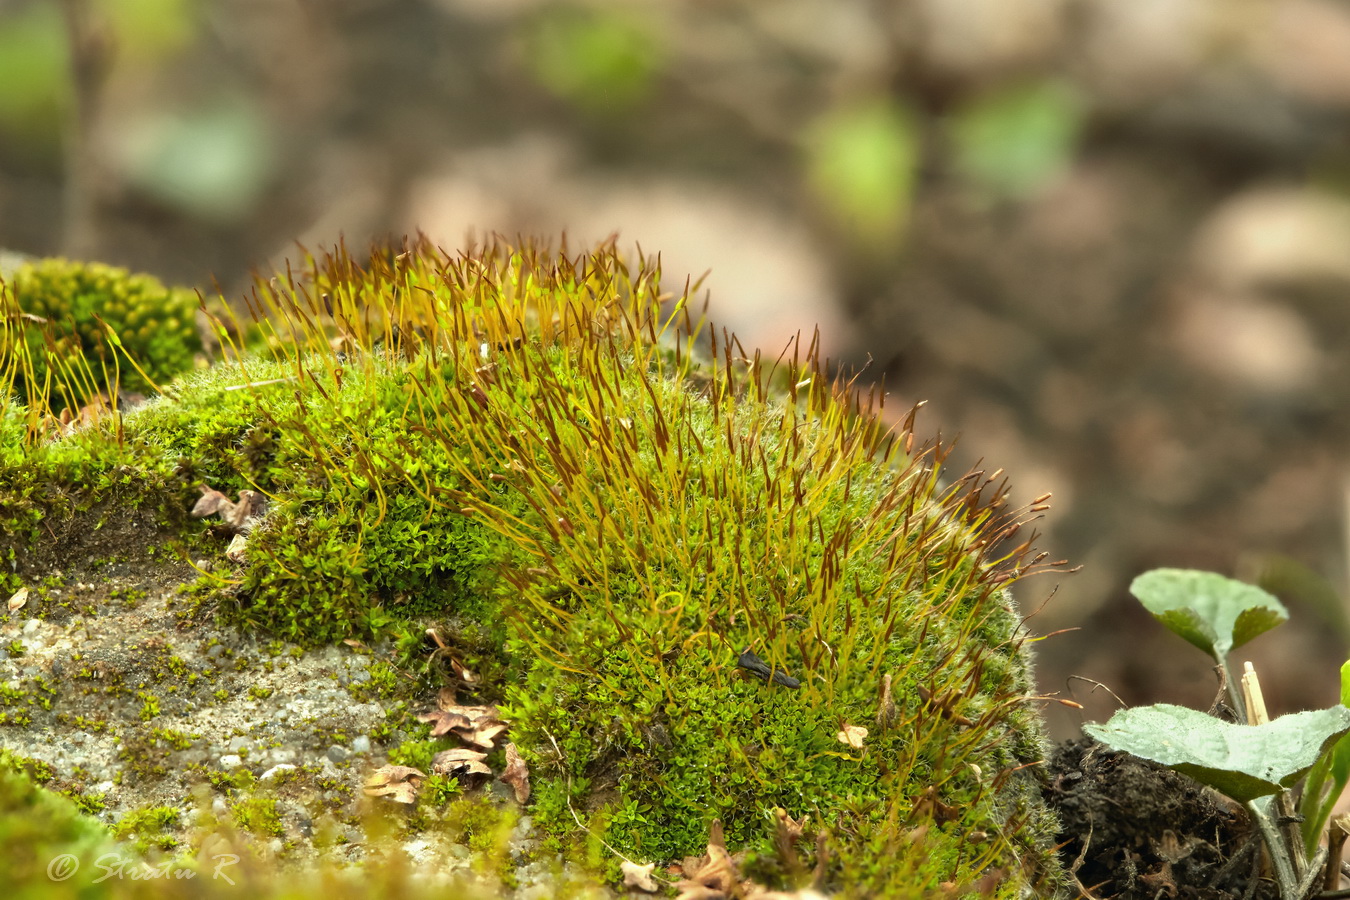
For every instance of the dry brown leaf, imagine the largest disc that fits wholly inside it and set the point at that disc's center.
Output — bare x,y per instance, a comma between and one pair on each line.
210,503
639,876
483,735
403,792
236,552
460,759
852,735
398,783
886,709
791,829
462,672
444,721
238,516
18,599
716,871
516,774
476,725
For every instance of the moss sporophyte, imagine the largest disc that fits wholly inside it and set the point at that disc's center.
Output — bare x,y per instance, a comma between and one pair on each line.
599,502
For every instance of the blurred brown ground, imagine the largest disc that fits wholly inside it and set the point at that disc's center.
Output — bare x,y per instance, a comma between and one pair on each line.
1108,241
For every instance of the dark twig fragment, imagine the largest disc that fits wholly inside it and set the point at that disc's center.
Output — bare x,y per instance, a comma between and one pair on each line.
760,669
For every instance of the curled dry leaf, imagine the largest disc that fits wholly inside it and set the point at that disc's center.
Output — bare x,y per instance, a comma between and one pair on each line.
852,735
483,734
714,875
398,783
692,890
444,721
240,516
18,599
790,828
476,725
463,672
639,876
886,710
235,552
516,774
460,759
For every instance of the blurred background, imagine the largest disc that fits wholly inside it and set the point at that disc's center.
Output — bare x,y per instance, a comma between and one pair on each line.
1108,241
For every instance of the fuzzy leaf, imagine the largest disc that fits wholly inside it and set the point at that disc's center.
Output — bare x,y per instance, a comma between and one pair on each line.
1242,761
1214,613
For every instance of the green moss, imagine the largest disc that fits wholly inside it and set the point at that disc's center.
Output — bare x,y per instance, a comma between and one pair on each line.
64,301
37,826
257,815
147,828
525,452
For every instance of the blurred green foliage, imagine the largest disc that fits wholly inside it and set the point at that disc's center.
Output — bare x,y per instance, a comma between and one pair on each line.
600,60
1015,139
148,31
213,162
861,162
34,71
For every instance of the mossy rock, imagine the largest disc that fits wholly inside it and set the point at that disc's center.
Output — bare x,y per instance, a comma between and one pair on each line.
598,507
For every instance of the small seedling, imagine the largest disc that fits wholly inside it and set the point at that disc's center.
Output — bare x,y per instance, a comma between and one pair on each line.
1256,761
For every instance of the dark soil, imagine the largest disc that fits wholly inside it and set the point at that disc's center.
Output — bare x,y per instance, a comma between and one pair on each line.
1133,830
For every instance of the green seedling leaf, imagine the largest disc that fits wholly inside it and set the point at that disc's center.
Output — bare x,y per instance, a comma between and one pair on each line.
1327,780
1340,756
1214,613
863,161
1242,761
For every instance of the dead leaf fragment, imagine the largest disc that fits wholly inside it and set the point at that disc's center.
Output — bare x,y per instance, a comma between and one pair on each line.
714,875
237,549
482,736
886,709
460,759
476,725
692,890
639,876
516,774
18,599
852,735
239,516
398,783
444,721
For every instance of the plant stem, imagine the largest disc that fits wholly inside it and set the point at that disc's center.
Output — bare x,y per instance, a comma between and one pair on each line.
1292,834
1279,853
1234,692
